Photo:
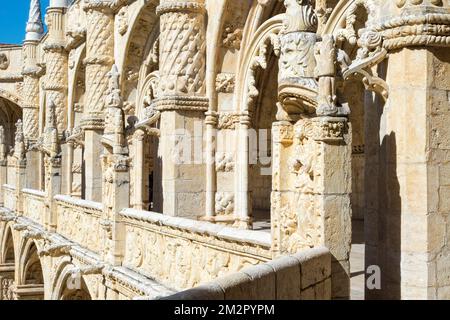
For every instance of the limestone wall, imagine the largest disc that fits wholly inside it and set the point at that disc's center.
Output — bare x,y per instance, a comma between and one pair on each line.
303,276
183,253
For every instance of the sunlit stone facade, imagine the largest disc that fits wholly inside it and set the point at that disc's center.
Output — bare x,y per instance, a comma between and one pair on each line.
222,149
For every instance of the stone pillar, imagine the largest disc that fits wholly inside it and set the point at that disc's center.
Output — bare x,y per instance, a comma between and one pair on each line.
99,59
116,172
311,191
69,166
138,164
50,146
52,188
31,73
116,180
408,179
3,165
211,175
182,104
243,202
55,83
20,164
312,149
408,171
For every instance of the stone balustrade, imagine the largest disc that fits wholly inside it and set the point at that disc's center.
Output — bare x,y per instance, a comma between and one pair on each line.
302,276
79,221
34,205
189,252
10,197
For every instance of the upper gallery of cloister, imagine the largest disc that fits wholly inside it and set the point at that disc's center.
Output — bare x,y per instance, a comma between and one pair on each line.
226,149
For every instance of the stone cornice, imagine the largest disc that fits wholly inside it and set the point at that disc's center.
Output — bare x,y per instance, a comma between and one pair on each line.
106,6
170,103
180,6
415,28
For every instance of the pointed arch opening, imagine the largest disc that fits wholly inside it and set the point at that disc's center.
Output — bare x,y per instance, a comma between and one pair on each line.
7,266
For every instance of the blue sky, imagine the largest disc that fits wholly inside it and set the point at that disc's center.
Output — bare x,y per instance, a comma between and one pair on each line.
13,18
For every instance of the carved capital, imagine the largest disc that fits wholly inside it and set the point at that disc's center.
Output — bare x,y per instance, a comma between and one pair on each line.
187,6
171,103
324,129
105,6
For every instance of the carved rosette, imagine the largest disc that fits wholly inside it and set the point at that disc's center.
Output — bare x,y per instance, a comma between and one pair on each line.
182,50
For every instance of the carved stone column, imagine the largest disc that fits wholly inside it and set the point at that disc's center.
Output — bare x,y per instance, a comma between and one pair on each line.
115,172
182,104
52,188
297,86
30,95
211,175
138,163
243,206
69,166
99,59
56,60
31,74
408,164
20,164
3,164
312,149
50,147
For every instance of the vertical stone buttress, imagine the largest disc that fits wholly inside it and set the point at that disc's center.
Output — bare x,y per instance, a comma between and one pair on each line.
30,95
408,168
312,149
182,104
99,59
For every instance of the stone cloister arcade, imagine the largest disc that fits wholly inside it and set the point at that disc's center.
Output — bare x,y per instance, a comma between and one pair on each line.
160,149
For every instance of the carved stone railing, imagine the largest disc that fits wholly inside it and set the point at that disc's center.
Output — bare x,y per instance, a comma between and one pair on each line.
80,221
182,253
9,193
34,205
303,276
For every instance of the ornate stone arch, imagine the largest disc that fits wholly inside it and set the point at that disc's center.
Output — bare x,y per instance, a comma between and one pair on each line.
77,64
12,97
29,262
339,16
141,40
7,243
66,286
255,56
10,112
